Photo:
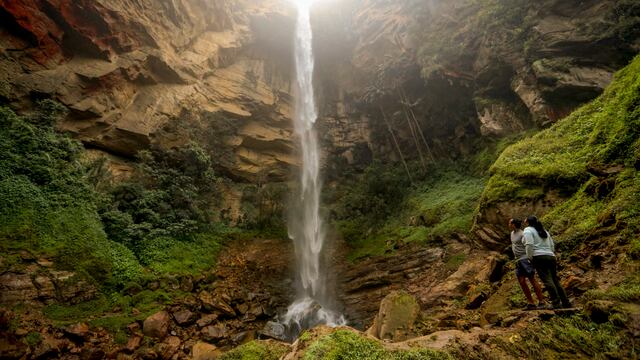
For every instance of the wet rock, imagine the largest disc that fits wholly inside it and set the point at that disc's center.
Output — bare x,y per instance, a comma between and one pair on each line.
206,320
184,317
274,330
396,318
157,325
204,351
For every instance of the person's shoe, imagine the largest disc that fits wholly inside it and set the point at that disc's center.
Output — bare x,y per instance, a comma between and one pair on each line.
530,307
544,306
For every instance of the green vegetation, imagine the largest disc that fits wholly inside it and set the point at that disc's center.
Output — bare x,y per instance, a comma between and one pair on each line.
591,155
257,350
33,339
626,291
46,204
345,344
575,336
55,205
380,208
112,312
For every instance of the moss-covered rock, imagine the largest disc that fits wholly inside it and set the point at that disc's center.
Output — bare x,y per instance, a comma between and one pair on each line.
397,315
257,350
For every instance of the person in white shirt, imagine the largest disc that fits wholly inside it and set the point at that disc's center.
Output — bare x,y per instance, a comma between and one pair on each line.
540,248
524,268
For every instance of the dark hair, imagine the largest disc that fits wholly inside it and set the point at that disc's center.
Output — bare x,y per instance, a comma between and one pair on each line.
517,223
536,224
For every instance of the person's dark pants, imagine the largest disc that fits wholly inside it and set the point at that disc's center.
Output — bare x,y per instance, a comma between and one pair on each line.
545,265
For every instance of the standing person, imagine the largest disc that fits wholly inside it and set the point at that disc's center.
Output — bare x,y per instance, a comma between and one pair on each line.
524,268
540,249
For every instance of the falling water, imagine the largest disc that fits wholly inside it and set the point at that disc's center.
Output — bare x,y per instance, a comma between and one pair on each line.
312,306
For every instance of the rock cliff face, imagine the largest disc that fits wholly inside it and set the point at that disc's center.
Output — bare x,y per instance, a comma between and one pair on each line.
438,74
395,79
136,73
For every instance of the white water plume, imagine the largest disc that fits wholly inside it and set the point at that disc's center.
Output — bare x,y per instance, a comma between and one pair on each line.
306,228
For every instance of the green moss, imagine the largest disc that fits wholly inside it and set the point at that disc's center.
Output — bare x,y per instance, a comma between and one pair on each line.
348,345
33,339
453,262
344,344
257,350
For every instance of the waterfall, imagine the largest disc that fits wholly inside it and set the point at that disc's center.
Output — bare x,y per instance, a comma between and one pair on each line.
312,306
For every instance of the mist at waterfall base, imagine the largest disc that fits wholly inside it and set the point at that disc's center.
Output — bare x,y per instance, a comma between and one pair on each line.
313,305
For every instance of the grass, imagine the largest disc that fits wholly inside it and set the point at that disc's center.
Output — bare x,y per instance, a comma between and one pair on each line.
570,337
626,291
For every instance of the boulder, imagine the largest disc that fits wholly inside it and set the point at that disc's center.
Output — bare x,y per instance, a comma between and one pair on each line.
206,320
274,330
184,317
396,318
133,344
168,347
204,351
157,325
78,332
214,333
217,302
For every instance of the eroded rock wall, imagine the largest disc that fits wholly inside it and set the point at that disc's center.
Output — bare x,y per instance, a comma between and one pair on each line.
136,73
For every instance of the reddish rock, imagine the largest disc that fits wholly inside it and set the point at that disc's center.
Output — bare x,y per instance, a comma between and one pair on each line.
168,347
133,344
157,325
78,331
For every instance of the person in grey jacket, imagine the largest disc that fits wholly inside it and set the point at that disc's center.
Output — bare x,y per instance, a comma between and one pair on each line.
524,268
540,249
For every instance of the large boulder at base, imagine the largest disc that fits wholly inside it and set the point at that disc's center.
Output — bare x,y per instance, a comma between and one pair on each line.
397,315
157,325
204,351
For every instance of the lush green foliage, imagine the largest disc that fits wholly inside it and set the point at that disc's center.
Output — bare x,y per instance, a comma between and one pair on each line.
601,135
46,204
53,204
347,345
256,350
169,197
379,209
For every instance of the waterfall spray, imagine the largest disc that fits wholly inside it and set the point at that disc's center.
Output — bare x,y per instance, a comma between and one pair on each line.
306,228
